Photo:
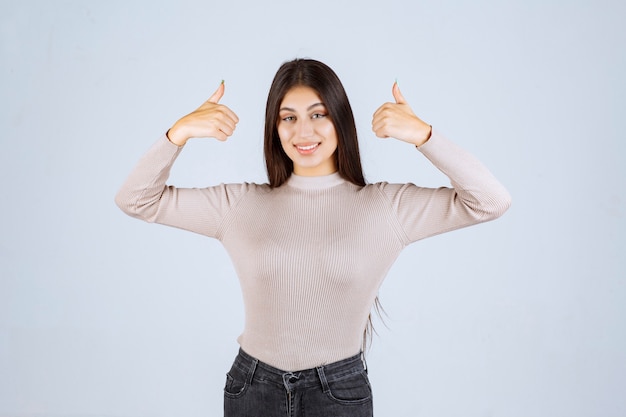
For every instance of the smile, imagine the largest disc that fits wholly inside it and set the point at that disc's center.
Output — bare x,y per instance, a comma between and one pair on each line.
305,149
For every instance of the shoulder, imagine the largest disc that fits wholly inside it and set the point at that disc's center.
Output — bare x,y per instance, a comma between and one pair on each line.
396,193
389,188
380,190
247,186
244,188
232,192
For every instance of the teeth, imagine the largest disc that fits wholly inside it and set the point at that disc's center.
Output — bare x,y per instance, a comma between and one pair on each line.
307,148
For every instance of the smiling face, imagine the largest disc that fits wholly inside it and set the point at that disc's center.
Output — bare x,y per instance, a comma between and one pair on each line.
307,133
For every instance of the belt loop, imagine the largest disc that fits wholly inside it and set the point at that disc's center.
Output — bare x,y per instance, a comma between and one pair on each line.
251,371
322,376
364,361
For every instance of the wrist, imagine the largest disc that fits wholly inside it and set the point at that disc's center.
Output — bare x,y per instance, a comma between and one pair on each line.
428,131
175,136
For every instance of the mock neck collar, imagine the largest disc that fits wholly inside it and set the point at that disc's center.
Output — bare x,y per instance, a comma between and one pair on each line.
315,183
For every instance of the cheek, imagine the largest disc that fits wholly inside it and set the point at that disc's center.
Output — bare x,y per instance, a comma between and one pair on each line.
283,133
283,136
329,133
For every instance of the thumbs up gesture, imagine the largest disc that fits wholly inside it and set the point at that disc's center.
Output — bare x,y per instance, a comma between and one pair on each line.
210,120
397,120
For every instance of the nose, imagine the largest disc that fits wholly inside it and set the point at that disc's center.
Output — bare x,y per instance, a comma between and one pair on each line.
305,128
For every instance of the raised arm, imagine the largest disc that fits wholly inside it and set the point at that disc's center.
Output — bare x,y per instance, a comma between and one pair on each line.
146,196
476,195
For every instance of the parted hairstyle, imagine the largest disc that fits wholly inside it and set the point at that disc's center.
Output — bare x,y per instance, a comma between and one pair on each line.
321,78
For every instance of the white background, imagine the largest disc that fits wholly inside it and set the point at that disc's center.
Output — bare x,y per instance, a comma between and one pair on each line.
102,315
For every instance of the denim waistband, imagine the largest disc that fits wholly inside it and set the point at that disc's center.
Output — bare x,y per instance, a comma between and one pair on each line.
261,371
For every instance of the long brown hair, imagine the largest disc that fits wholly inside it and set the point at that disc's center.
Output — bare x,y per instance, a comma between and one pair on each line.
321,78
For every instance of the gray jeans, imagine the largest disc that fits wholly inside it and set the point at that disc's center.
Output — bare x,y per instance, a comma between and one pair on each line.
340,389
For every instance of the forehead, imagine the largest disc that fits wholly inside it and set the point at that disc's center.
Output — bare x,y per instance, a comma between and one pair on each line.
300,96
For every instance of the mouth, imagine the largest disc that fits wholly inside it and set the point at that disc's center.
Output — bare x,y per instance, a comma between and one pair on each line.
306,149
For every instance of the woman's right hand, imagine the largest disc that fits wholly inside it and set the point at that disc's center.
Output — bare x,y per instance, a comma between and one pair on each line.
210,120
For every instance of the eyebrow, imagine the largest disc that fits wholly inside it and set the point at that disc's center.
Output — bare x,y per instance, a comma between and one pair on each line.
308,108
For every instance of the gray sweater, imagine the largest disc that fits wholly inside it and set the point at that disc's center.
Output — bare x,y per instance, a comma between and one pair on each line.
312,253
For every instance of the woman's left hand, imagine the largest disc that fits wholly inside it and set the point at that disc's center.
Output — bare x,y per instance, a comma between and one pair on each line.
397,120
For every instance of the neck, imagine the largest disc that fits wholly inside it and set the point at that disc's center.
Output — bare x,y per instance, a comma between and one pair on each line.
317,182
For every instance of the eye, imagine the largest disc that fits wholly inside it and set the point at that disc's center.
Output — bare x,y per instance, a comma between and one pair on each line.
318,115
288,119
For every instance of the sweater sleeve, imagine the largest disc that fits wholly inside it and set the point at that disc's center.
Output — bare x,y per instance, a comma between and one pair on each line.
476,195
145,195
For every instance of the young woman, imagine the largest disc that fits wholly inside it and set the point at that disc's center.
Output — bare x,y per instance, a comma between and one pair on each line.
312,246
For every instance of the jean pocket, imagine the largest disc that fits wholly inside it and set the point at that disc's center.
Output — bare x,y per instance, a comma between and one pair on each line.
235,385
351,389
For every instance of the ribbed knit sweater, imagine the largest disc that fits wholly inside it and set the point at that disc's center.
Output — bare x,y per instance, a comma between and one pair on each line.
311,254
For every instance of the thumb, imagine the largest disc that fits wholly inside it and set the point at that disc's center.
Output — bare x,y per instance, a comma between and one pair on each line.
397,95
219,93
